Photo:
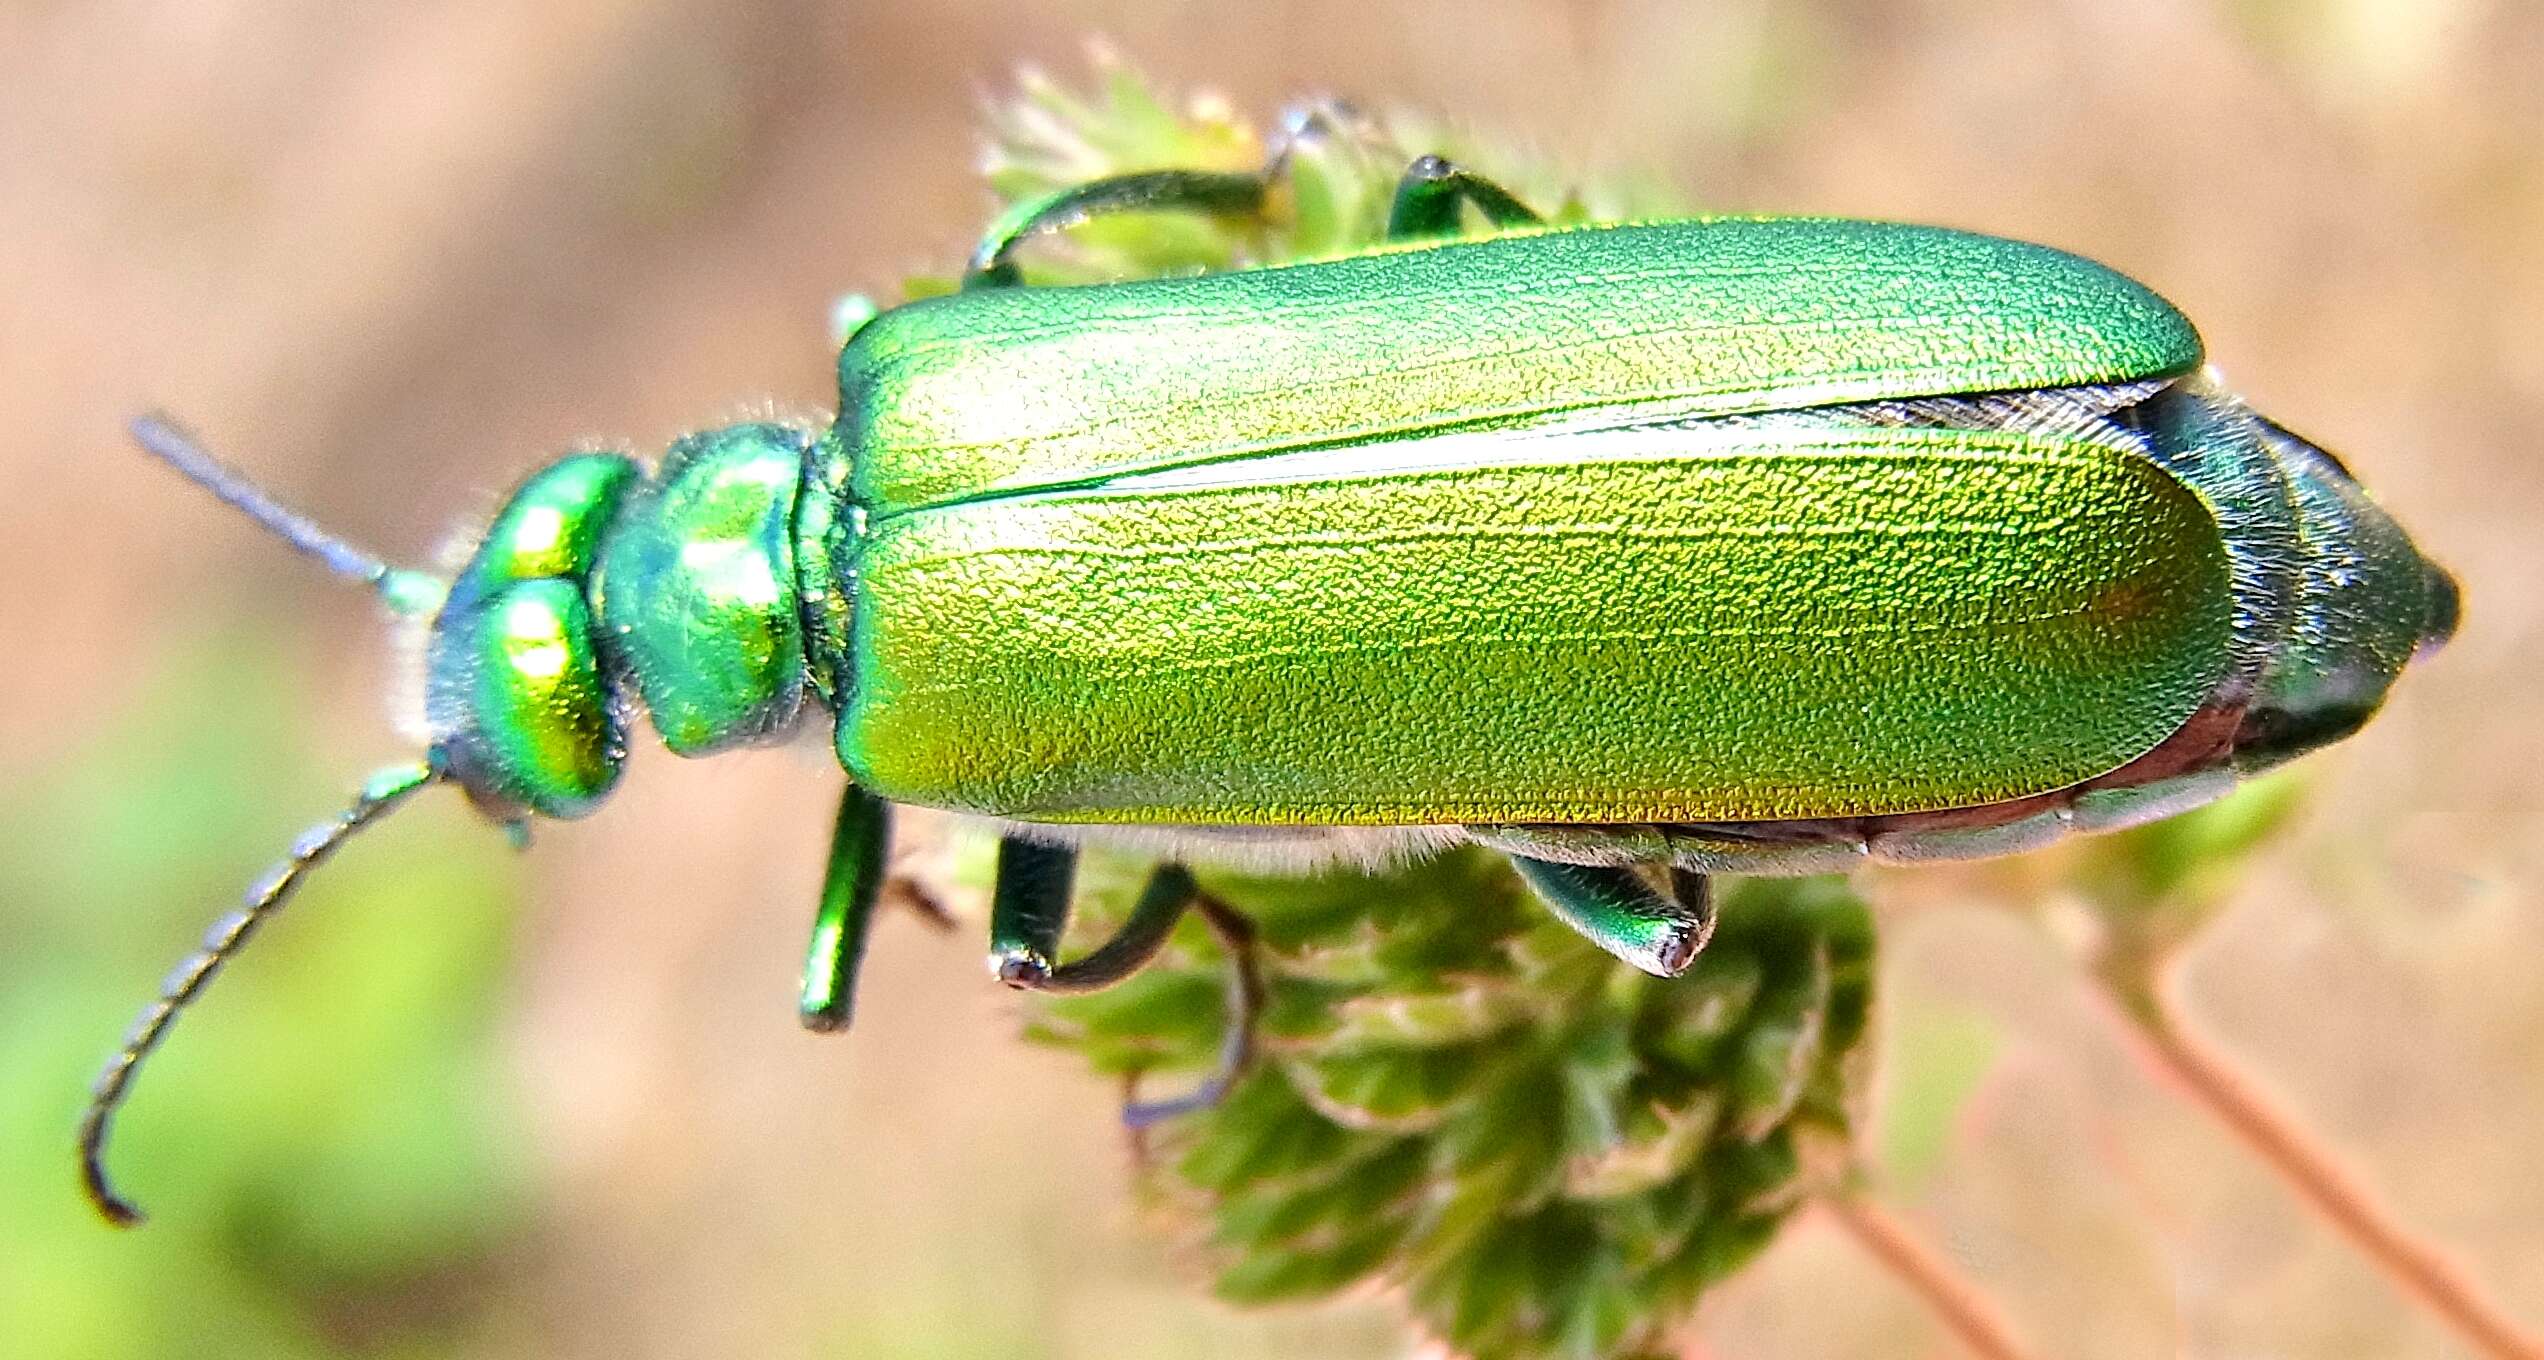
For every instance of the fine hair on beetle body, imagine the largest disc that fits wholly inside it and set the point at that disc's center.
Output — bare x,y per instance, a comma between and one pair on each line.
1640,553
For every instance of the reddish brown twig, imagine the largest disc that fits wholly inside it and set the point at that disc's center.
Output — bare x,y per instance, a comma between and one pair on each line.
2153,1023
1965,1308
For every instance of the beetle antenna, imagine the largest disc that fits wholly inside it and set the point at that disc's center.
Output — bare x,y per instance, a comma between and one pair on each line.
380,795
405,592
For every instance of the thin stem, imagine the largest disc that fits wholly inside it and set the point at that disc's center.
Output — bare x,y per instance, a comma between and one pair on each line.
1958,1300
2155,1022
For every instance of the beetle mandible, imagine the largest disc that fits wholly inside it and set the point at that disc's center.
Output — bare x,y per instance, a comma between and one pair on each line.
1641,552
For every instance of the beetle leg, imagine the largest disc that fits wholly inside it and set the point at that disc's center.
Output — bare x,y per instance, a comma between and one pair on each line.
1170,892
860,844
1432,191
1216,193
1426,201
1029,910
1621,914
1245,1012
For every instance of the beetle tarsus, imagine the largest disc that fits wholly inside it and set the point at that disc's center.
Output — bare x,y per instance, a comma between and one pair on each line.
921,902
1614,908
1211,193
1029,911
1021,970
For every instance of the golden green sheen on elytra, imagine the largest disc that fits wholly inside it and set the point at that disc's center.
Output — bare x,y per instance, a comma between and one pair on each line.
1603,625
543,711
996,390
697,588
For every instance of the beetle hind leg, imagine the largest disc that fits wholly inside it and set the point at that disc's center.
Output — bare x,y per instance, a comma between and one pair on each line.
1029,911
1206,192
1618,911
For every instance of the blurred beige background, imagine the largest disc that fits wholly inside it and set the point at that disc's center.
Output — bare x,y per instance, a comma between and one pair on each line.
387,256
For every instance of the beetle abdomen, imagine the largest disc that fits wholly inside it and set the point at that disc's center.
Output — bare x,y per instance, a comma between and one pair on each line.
1585,623
1001,390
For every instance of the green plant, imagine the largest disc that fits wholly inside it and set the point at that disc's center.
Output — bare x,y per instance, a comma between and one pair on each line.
1542,1150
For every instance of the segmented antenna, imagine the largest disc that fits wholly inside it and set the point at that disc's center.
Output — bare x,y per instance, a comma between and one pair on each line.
404,592
380,795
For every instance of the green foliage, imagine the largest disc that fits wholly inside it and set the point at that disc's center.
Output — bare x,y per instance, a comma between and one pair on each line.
1544,1151
1339,176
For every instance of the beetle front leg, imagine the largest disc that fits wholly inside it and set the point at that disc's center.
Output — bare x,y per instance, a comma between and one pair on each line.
860,843
1029,911
1616,910
1434,188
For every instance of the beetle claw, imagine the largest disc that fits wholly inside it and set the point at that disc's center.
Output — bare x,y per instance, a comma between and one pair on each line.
1021,969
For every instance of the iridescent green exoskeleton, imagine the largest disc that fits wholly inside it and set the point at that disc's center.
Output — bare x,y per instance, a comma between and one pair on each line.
1639,552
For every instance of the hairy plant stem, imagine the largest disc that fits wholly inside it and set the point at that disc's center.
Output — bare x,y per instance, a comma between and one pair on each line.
2145,991
1963,1306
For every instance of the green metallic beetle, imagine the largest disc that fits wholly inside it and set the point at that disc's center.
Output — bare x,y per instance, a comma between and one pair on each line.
1642,553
